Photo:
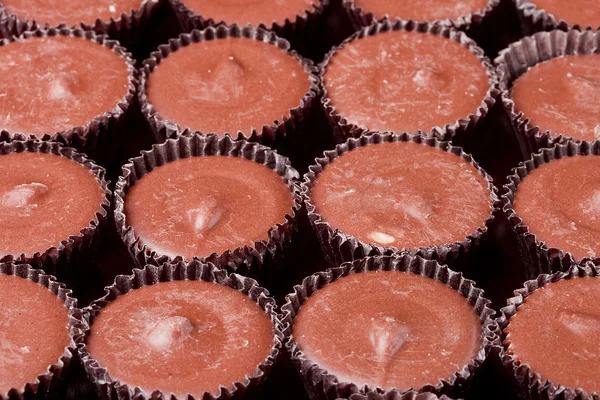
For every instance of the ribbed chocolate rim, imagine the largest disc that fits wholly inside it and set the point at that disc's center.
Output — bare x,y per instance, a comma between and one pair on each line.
74,245
539,19
362,18
539,257
344,129
112,388
46,382
191,20
287,124
243,260
341,247
515,60
82,137
11,25
530,381
410,395
322,383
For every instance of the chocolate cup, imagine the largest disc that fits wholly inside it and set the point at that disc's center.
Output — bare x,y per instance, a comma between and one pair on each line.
287,125
464,126
298,30
323,385
243,260
111,388
537,256
60,260
531,384
126,28
52,381
534,19
89,137
340,247
515,60
361,18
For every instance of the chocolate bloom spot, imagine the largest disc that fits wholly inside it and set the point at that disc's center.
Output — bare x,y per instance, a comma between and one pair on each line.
387,335
24,195
169,332
382,238
580,323
206,216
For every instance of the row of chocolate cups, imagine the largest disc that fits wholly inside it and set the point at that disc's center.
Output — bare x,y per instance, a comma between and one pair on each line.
101,339
282,122
338,235
126,20
287,122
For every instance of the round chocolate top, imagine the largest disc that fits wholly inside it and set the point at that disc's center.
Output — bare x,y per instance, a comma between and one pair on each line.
431,197
561,95
556,330
70,12
250,12
44,199
34,334
577,12
203,205
181,337
560,201
52,84
388,329
405,81
230,85
423,10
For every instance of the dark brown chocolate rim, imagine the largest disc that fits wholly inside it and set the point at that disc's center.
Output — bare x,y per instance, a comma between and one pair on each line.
190,20
362,18
410,395
86,136
267,133
318,380
517,58
166,272
530,381
344,129
56,372
242,260
341,247
11,25
537,17
75,244
548,259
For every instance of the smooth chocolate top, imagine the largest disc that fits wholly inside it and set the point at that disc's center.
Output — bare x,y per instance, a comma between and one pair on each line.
404,195
44,199
203,205
423,10
230,85
181,337
405,81
560,203
388,329
70,12
577,12
251,12
52,84
34,334
561,95
556,330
